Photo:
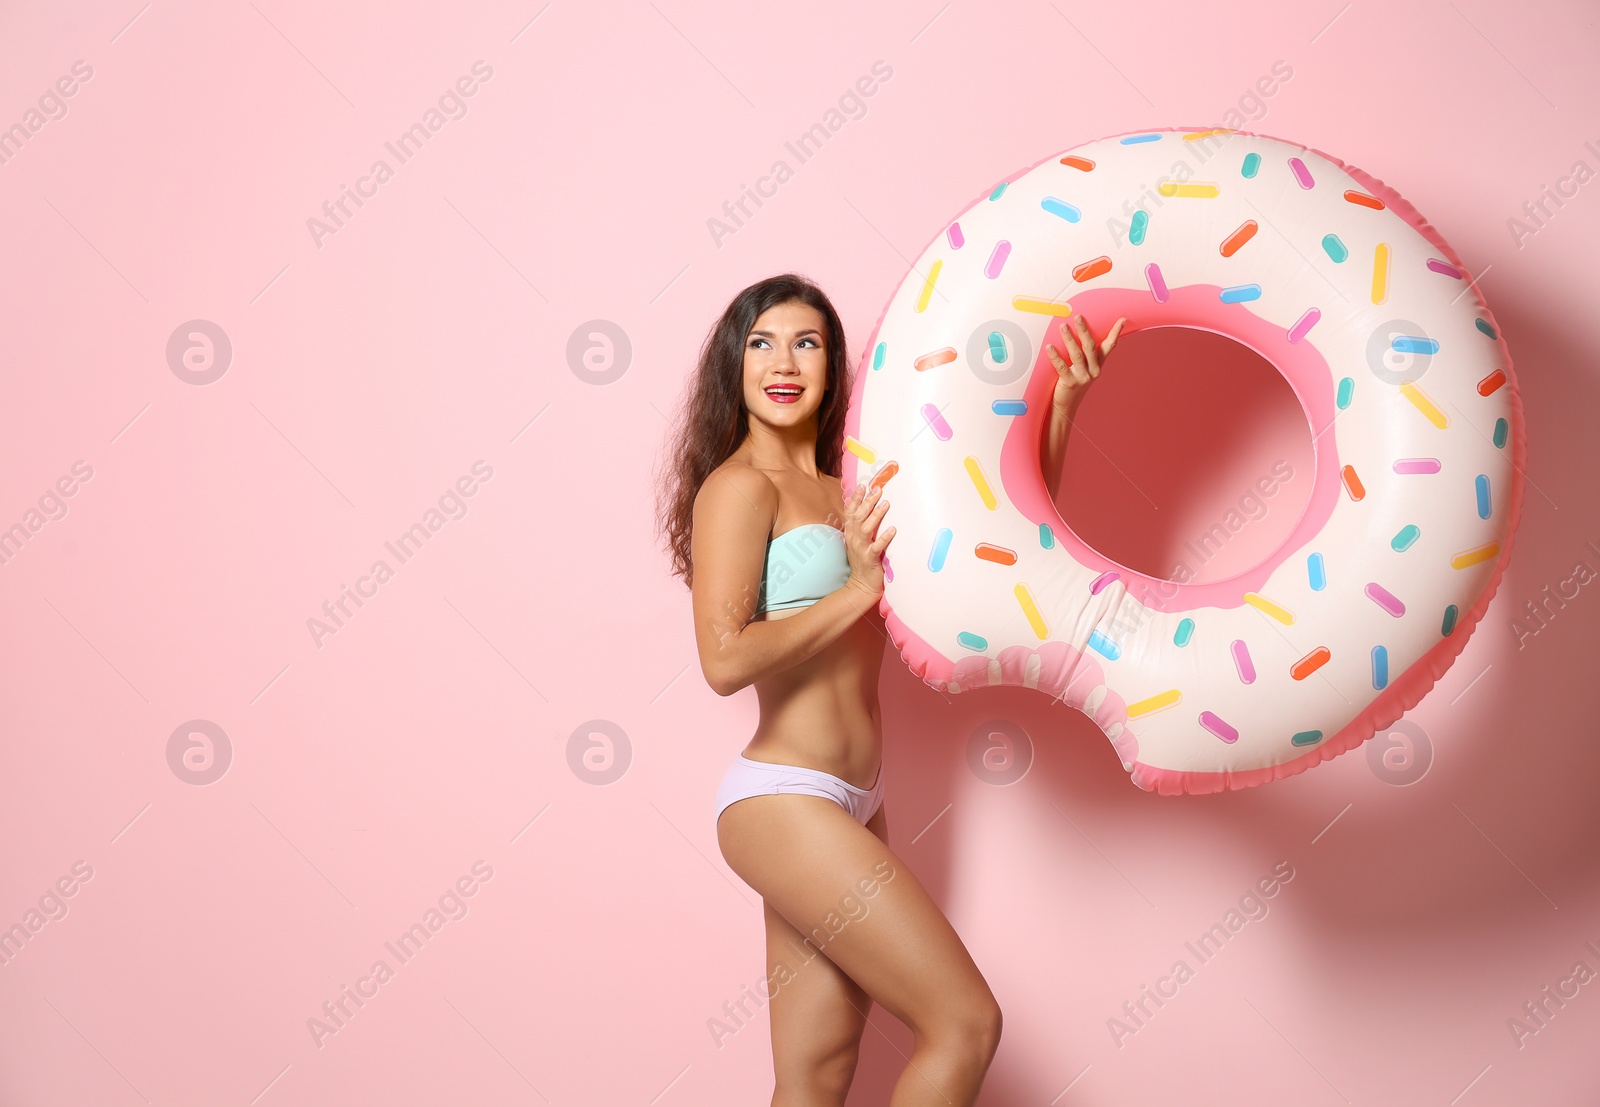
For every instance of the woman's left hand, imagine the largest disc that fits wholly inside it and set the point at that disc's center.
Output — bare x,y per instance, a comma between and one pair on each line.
1072,380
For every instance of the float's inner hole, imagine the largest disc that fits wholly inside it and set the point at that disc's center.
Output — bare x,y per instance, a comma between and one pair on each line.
1190,458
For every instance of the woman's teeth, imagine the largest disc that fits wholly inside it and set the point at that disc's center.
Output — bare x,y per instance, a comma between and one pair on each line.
784,395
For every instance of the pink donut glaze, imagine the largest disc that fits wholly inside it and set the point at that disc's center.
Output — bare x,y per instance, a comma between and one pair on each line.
1402,693
1198,307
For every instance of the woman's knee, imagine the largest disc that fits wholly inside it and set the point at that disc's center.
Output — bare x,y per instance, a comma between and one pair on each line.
972,1029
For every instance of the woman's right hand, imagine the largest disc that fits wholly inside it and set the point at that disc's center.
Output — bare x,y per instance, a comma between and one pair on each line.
864,547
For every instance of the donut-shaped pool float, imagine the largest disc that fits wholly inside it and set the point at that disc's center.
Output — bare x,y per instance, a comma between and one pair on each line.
1405,381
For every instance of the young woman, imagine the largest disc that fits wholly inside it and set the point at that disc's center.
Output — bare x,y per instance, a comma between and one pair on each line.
786,574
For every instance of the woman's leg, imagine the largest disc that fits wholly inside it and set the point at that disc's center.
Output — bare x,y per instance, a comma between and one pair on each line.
817,1013
817,1016
840,886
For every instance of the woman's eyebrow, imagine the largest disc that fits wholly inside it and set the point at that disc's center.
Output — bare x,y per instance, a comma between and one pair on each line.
798,334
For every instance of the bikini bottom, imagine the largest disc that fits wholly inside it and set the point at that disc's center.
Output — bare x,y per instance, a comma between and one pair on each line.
746,778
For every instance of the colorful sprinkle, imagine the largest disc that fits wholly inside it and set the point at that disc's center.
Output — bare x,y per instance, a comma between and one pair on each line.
865,453
884,476
1193,135
972,641
1047,537
1197,190
1405,538
1488,385
1103,580
1380,667
928,283
1363,199
1444,267
1306,738
1466,559
1158,285
1240,293
1380,272
1352,482
1421,401
1385,599
1303,325
1267,607
997,259
941,549
1334,247
957,239
1347,389
1184,632
1031,610
997,347
1129,140
1216,726
1411,344
1310,663
1156,702
1137,229
881,352
1316,572
1247,231
1104,646
1502,430
1039,306
1252,162
934,359
1242,662
936,422
1061,208
999,190
1076,162
1091,269
1483,325
1449,625
1481,485
1301,173
1009,407
980,482
988,551
1413,465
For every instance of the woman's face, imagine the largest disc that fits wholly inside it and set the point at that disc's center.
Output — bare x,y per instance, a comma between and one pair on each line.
785,364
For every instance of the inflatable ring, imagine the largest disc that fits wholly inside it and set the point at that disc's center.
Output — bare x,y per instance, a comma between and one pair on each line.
1405,381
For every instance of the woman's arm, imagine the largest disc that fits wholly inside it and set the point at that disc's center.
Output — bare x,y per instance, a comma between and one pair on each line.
1071,382
733,515
1053,448
767,646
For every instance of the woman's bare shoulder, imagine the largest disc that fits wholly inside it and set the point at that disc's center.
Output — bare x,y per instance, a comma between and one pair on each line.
737,488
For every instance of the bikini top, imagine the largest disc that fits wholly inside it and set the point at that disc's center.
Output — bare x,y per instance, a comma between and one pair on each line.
803,564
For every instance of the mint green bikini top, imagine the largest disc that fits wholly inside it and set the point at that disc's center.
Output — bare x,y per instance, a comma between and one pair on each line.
803,564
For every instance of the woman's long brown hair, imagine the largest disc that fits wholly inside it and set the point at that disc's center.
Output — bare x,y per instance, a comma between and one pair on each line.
713,421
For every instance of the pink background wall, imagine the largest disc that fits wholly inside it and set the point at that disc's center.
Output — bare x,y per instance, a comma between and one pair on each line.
427,755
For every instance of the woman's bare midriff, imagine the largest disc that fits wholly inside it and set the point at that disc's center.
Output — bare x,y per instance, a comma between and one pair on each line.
823,713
